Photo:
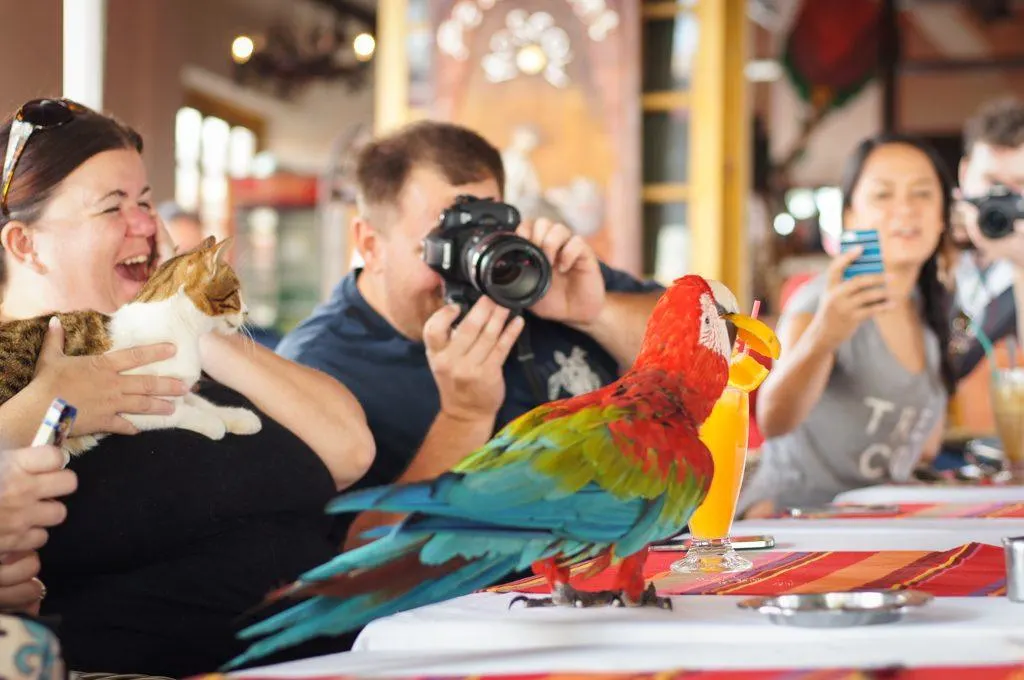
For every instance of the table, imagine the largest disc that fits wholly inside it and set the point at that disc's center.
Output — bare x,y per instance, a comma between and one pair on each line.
934,493
479,634
634,659
879,533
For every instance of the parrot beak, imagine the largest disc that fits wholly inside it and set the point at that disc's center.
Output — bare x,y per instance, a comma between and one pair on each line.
756,335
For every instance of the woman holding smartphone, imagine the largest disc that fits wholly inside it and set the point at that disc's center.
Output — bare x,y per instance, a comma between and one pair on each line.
860,392
30,480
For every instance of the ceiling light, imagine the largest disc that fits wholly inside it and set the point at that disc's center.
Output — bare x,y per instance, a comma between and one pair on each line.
241,49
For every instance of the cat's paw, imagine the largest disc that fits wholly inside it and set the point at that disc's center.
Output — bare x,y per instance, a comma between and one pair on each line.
76,446
211,429
240,420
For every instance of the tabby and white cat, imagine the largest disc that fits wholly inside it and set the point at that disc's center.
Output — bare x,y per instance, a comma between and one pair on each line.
188,296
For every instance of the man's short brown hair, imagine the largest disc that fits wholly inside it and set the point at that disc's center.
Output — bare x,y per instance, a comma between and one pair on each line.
998,123
459,154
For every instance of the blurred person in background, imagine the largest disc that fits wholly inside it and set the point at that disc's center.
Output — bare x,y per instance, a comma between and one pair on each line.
185,227
860,393
990,271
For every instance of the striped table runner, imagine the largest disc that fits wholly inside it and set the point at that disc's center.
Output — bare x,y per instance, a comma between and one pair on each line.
973,569
897,673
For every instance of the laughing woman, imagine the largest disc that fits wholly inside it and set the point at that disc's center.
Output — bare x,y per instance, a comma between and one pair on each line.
861,390
170,536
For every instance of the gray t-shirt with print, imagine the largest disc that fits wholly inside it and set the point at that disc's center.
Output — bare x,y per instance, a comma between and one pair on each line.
868,428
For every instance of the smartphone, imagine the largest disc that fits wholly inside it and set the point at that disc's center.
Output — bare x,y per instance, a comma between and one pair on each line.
869,261
56,425
985,452
738,542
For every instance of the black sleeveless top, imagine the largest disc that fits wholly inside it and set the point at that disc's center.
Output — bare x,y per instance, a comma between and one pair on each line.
172,537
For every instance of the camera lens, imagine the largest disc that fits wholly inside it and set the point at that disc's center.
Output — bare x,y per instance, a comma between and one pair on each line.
994,223
516,274
509,269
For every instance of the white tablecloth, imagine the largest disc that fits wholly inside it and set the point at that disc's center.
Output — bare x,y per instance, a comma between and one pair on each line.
479,634
879,533
933,494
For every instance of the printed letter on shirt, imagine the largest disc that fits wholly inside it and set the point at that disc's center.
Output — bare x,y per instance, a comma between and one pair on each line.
879,407
879,467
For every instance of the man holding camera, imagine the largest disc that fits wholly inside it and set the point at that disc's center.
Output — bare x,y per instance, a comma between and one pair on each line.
989,227
436,384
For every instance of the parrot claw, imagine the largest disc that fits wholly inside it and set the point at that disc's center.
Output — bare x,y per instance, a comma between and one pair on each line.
649,598
567,596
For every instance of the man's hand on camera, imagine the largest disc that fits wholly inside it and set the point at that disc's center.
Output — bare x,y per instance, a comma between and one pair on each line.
467,360
577,293
1009,247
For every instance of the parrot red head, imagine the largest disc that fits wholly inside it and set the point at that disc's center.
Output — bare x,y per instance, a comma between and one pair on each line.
687,336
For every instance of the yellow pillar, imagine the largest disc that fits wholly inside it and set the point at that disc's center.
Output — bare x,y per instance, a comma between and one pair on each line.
391,66
720,147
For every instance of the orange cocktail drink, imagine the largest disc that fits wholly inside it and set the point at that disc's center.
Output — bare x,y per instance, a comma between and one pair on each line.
725,434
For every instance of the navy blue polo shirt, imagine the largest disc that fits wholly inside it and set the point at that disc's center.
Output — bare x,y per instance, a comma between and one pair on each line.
389,375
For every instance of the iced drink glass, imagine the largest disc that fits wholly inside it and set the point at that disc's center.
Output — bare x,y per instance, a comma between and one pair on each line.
725,434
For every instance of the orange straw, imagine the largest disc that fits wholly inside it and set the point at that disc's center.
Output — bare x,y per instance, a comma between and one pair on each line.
741,346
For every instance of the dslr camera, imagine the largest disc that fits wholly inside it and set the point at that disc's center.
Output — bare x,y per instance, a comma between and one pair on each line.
475,249
998,210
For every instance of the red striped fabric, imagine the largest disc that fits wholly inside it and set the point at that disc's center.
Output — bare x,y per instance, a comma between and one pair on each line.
973,569
931,673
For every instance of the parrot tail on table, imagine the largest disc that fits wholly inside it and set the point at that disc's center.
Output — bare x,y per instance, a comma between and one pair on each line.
599,475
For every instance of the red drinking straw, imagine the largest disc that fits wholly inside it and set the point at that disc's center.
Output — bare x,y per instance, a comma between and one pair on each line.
740,345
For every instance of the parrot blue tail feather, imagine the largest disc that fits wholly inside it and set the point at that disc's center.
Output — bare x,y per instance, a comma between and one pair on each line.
422,495
329,616
366,556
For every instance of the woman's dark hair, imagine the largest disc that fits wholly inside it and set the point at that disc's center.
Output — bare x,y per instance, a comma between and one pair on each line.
935,297
51,155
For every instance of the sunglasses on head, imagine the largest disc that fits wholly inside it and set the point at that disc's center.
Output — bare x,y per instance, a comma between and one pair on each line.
36,115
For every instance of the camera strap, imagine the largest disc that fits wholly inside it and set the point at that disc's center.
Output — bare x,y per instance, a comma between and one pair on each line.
524,353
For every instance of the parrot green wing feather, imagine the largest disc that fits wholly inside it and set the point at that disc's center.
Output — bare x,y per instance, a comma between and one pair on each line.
611,445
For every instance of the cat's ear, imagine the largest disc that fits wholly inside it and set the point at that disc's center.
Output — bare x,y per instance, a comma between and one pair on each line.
215,254
207,243
17,239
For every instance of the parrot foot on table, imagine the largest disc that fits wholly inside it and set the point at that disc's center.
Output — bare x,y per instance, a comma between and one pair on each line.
565,595
649,598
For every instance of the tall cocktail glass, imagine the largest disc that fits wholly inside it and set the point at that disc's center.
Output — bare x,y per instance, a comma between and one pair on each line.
1008,409
725,434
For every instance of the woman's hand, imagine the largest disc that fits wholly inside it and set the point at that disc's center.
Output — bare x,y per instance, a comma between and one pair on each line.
845,304
810,341
20,590
30,479
95,386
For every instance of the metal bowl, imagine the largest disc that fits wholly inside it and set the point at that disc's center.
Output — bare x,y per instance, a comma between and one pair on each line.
837,610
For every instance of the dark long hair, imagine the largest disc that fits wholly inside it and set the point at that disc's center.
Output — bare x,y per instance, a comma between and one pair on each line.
53,154
935,297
